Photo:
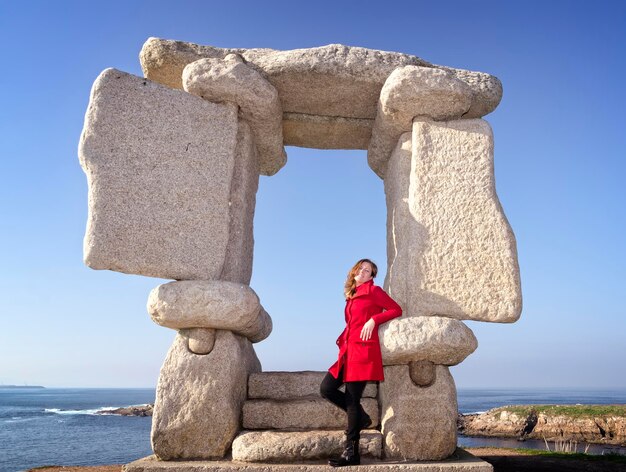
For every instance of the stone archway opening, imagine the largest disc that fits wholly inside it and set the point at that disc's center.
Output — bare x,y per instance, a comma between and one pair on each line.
173,163
309,225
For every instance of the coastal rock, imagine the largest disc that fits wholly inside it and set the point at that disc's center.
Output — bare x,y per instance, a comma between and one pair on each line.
451,250
408,92
159,164
418,423
136,410
198,404
230,80
309,413
291,385
210,304
282,446
433,338
596,424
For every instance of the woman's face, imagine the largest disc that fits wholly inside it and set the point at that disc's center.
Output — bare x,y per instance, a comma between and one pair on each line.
364,273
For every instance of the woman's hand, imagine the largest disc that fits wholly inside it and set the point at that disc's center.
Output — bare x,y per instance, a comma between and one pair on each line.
368,328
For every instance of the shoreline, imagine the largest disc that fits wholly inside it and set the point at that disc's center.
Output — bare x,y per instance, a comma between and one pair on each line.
591,424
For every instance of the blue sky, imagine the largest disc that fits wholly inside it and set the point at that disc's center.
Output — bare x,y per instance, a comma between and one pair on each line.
559,160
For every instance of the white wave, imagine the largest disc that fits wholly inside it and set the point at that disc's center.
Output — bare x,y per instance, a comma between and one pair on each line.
20,420
94,411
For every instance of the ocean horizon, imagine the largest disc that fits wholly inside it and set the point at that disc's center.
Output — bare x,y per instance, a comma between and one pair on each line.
61,426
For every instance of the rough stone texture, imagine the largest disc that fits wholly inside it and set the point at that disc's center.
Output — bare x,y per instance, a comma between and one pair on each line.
230,80
440,340
200,340
283,446
408,92
486,88
510,422
198,405
159,164
288,385
418,423
310,413
460,461
450,249
326,132
240,248
329,81
210,304
422,373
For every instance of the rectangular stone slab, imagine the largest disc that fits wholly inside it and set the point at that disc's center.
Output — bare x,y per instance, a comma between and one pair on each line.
451,251
312,413
159,164
291,446
288,385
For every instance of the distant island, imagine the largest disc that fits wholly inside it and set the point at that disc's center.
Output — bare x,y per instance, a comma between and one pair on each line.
21,386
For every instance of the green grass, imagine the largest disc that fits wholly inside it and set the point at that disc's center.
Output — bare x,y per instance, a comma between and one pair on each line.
574,411
612,457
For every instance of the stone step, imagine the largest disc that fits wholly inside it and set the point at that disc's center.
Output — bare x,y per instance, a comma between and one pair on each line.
301,414
460,461
290,446
286,385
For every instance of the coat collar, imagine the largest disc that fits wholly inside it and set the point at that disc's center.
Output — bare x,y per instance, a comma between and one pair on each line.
364,289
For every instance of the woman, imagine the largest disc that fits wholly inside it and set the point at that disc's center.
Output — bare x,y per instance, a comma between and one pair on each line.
360,360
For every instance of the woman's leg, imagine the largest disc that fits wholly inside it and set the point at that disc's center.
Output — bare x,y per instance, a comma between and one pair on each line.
329,389
354,392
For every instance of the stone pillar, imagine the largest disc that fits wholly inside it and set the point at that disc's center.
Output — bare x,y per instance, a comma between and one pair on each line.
203,382
450,252
199,397
172,188
418,423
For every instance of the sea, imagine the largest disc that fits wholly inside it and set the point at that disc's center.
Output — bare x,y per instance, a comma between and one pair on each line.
62,426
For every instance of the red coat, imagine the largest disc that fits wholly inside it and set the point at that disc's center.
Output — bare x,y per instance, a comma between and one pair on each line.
362,359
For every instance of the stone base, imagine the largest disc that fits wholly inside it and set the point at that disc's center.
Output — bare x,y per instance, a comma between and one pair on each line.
298,446
460,461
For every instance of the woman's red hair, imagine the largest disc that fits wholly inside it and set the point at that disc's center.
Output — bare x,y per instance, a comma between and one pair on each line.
349,288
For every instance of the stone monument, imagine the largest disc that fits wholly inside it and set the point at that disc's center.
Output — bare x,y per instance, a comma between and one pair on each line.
173,162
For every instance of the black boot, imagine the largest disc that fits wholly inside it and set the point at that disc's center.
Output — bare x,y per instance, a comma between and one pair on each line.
349,456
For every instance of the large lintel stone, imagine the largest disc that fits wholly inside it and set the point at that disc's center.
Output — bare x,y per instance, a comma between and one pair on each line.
331,82
451,251
159,164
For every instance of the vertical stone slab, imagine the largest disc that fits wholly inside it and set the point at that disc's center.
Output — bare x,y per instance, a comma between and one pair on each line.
159,164
245,183
451,251
418,423
199,399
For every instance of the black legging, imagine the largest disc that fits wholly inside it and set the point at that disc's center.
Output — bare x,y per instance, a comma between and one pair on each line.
350,401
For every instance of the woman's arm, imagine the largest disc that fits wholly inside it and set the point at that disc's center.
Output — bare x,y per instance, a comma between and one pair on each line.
392,309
